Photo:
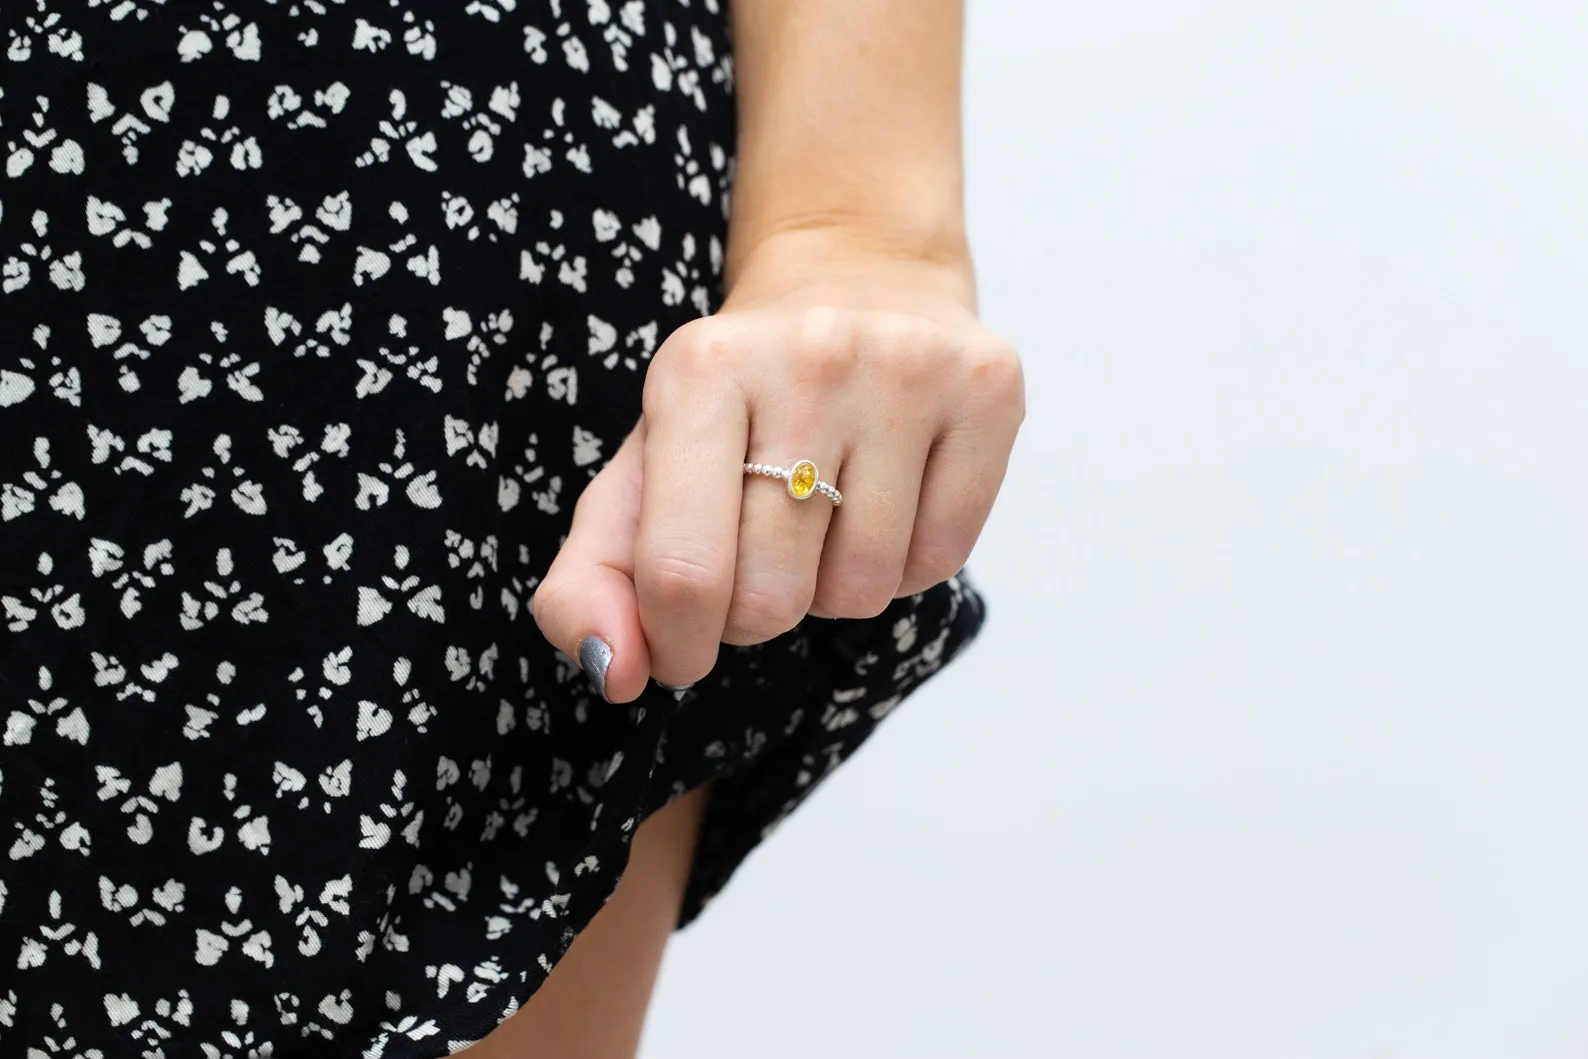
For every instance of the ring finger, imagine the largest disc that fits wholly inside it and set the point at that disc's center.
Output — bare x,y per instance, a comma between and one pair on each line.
780,537
864,555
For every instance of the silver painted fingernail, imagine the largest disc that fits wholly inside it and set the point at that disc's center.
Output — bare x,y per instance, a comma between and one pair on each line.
595,658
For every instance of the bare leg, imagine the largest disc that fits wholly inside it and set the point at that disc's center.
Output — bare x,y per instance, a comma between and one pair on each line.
592,1006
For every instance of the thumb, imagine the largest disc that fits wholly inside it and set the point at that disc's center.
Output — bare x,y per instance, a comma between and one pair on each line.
585,605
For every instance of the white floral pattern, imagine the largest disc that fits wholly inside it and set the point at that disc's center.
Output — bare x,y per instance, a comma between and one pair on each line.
316,317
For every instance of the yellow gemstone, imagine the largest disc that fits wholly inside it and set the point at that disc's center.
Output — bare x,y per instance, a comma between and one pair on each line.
802,479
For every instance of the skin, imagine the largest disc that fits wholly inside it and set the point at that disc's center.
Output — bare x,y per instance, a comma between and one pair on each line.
592,1005
849,337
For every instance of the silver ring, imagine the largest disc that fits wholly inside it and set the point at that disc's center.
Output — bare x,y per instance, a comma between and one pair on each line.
801,479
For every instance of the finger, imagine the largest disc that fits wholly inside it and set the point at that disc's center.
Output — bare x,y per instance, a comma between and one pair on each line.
798,419
963,473
696,428
966,465
586,604
863,558
780,536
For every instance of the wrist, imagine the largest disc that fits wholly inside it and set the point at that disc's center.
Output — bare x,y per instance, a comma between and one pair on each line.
865,263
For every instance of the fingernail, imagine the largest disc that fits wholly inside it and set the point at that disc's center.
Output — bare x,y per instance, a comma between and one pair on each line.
672,687
595,658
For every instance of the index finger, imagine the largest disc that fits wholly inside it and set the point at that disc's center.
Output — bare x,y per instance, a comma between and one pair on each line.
697,427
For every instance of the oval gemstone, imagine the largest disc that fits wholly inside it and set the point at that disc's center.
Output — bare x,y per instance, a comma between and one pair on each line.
802,479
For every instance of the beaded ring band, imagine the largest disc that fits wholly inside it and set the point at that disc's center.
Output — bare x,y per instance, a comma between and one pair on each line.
801,480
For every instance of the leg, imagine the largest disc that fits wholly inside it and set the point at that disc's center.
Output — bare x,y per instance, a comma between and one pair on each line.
592,1006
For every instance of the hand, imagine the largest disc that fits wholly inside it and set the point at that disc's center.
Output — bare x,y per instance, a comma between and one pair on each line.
875,369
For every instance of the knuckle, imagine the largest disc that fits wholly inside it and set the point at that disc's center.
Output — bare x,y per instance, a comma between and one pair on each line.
936,555
681,579
698,350
825,327
828,350
757,614
996,372
861,582
704,345
915,335
691,670
908,347
850,597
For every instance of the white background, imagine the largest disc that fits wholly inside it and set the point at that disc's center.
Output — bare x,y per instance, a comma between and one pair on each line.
1276,744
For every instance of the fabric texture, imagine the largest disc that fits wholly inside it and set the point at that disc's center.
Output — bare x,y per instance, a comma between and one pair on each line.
315,317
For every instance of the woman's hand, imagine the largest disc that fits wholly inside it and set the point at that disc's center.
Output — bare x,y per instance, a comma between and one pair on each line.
872,366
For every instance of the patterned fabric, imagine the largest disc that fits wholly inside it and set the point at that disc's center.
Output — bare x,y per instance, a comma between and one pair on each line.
316,317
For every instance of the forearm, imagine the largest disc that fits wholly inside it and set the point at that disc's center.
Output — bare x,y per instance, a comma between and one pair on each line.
849,132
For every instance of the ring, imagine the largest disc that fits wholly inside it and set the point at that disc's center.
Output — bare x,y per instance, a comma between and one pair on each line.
801,479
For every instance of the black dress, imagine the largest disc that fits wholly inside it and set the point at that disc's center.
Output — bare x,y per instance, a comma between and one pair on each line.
316,317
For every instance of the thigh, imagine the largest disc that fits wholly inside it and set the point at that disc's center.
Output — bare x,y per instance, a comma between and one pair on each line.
593,1004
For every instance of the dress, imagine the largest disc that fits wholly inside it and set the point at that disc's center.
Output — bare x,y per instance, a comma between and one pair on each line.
316,317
